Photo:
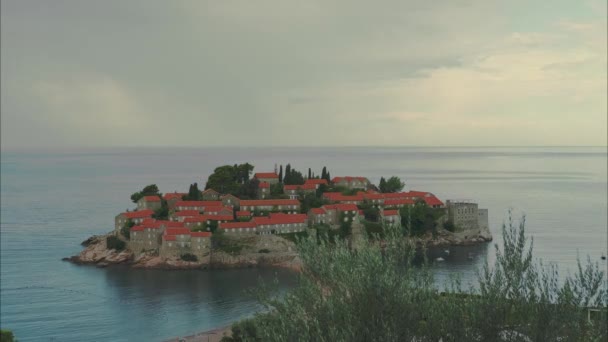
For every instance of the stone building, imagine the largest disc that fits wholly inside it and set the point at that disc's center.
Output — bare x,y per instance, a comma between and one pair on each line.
331,213
230,201
280,223
293,191
172,198
289,205
196,205
263,190
136,216
390,216
466,215
210,195
149,202
238,227
351,182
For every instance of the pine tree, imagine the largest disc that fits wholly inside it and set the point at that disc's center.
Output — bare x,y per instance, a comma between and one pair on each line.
382,185
281,174
309,173
287,177
328,178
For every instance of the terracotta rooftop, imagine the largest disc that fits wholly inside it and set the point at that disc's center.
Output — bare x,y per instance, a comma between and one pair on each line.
138,213
198,204
269,202
151,198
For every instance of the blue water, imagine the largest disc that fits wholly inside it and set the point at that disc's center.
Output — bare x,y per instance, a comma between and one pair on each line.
51,201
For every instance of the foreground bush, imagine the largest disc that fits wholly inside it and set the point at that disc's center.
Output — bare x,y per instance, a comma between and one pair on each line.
377,294
6,336
112,242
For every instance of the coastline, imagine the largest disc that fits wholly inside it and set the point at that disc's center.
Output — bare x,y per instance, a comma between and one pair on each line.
96,253
213,335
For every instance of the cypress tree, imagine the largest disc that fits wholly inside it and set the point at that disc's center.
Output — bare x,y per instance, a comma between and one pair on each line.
324,172
309,173
281,174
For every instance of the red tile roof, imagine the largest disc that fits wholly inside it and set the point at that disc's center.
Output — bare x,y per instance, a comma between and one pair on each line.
391,212
234,225
138,214
270,202
198,204
137,228
173,195
265,175
316,181
205,218
432,201
242,213
263,185
346,207
177,231
280,218
218,209
172,224
398,201
309,186
151,198
338,197
318,211
186,213
200,234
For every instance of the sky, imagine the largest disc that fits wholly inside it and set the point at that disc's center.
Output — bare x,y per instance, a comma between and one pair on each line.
111,73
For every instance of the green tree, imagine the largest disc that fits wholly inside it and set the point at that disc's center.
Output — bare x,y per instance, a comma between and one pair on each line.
382,185
309,173
148,190
377,294
162,213
393,184
7,336
194,194
281,174
324,173
420,218
229,179
292,177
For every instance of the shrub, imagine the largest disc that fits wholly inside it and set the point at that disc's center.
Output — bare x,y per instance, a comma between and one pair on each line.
294,237
449,226
226,244
264,250
6,336
376,293
188,257
112,242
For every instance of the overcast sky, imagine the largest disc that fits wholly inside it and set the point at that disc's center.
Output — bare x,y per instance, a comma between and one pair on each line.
199,73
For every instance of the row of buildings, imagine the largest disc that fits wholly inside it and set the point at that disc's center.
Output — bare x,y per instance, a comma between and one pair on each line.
187,229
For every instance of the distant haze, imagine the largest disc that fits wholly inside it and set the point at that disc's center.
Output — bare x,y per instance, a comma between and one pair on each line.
303,73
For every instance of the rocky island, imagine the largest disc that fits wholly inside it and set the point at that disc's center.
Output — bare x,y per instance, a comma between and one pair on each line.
256,221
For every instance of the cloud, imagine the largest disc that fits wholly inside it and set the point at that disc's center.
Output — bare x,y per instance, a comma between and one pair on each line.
266,73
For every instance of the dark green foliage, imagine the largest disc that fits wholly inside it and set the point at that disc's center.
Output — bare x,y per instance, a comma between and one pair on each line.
373,229
423,218
377,294
162,213
324,173
326,233
292,177
281,174
194,194
112,242
249,190
309,173
322,189
188,257
126,229
276,189
393,184
310,200
148,190
370,212
264,250
6,336
243,331
449,226
328,177
229,179
346,223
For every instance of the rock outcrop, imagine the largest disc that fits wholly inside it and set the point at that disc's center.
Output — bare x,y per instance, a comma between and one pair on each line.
97,252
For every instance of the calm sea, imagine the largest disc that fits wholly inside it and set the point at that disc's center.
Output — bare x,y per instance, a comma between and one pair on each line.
52,201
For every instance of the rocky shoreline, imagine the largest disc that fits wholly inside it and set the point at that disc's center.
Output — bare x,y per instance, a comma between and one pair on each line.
96,253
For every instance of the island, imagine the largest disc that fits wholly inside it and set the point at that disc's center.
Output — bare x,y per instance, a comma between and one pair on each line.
240,220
